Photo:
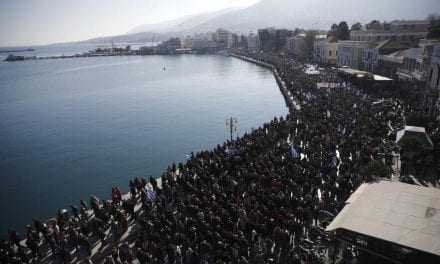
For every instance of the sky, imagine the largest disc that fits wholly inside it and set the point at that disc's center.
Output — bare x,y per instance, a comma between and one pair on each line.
39,22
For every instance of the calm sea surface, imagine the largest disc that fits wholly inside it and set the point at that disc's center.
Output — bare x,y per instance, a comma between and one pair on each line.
74,127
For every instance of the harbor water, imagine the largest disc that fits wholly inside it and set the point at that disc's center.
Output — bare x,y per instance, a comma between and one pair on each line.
75,127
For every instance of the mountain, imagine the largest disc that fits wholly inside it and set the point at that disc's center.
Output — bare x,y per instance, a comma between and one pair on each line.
182,24
316,14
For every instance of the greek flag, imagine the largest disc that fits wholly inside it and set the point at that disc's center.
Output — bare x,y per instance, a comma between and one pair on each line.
334,162
151,195
294,152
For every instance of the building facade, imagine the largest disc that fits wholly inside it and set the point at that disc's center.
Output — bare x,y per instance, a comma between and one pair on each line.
320,51
398,30
351,53
325,50
434,68
252,43
388,64
414,67
297,46
223,38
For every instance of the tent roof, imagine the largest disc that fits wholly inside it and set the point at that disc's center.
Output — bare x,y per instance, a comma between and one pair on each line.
415,132
404,214
359,73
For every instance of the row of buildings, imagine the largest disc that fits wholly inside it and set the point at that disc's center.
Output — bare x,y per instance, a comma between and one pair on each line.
398,50
267,40
209,42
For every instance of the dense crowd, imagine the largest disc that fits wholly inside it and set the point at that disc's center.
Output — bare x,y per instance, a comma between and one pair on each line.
265,197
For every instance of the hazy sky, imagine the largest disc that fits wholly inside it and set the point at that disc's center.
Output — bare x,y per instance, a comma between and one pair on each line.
30,22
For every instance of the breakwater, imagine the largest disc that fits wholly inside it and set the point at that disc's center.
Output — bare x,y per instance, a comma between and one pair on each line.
291,103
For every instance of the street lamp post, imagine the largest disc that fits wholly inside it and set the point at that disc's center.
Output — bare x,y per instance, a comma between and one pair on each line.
232,124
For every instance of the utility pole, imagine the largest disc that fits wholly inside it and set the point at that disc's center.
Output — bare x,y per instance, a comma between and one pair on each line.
232,124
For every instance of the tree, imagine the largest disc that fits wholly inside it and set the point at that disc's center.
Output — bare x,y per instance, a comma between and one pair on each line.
374,25
432,17
343,31
309,41
356,26
434,28
333,31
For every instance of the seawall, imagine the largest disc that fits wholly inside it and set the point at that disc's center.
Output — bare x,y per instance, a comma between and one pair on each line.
288,98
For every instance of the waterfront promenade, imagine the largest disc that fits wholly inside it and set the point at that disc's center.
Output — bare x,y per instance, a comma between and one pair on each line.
263,198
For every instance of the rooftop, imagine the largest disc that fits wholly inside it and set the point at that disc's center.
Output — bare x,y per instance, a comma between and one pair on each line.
404,214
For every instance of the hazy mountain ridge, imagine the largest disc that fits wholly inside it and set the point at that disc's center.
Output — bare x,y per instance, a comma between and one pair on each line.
316,14
183,24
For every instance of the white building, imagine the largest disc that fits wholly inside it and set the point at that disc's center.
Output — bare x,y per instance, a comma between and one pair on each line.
297,45
351,53
325,50
252,42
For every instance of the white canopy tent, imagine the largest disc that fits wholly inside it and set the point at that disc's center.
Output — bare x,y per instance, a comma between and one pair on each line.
403,214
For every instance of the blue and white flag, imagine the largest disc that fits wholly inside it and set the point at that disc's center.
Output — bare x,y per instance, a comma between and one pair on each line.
151,195
334,162
294,152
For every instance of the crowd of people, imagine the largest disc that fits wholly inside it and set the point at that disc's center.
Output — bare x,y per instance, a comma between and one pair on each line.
265,197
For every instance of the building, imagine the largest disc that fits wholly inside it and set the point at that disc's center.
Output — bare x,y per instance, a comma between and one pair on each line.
267,39
325,50
281,36
234,41
332,52
351,53
297,46
414,66
223,38
204,45
434,67
392,221
388,64
252,43
399,30
409,25
170,46
187,42
375,50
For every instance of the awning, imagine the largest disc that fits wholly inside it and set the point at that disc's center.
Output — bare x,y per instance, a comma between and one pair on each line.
403,214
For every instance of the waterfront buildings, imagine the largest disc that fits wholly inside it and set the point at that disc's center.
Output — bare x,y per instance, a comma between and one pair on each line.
273,40
434,68
351,53
223,38
266,38
252,42
170,46
325,50
388,64
373,52
204,45
413,67
297,46
399,30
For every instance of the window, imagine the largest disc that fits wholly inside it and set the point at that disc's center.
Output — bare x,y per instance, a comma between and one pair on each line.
330,53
